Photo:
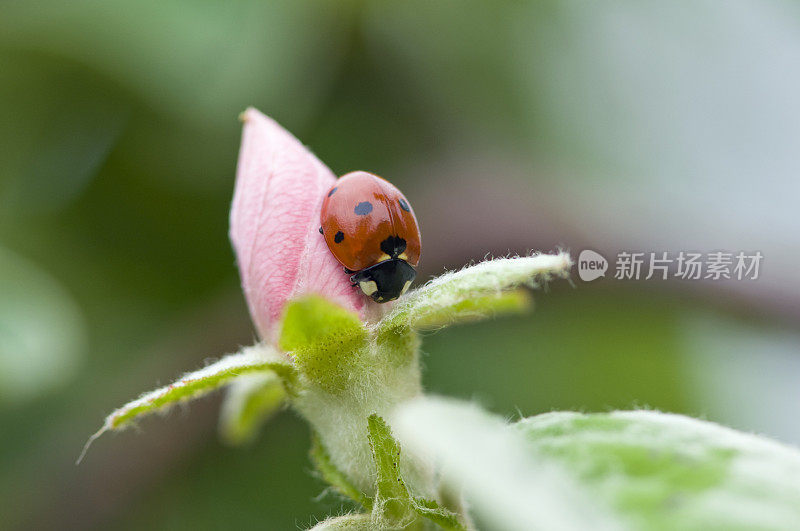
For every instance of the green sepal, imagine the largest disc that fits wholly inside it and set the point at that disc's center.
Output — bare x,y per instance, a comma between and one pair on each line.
476,309
260,358
250,401
324,339
475,292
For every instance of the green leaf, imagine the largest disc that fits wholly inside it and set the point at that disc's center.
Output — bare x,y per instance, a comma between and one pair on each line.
393,502
392,497
249,402
475,292
663,471
480,456
630,470
334,477
258,358
324,339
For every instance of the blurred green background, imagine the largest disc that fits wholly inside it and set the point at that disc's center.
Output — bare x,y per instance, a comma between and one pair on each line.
511,126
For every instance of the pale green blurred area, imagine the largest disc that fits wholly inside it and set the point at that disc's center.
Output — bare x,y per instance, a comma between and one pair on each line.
510,126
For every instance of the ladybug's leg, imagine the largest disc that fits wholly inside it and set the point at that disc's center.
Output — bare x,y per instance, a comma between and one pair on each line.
353,281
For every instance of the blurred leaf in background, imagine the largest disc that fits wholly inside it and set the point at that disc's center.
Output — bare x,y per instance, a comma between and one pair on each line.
42,333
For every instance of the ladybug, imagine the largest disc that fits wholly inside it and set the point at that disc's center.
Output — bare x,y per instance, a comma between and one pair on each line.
370,228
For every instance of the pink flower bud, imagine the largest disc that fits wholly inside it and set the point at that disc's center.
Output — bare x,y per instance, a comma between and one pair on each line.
275,224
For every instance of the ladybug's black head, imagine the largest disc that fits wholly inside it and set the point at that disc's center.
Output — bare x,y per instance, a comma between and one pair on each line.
386,280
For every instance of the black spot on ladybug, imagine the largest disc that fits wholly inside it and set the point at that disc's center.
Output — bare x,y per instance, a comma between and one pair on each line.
339,237
363,208
404,205
332,191
393,246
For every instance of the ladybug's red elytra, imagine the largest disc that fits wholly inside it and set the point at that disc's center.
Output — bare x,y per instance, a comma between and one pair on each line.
371,229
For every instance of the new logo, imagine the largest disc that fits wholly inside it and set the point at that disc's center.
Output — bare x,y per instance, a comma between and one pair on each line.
591,265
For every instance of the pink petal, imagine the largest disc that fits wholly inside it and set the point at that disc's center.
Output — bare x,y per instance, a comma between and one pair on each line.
275,223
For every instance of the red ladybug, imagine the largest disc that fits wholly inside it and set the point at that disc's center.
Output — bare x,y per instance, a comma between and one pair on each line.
372,231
